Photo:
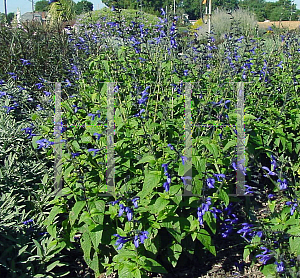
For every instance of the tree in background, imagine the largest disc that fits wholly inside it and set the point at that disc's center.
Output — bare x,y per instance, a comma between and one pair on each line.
282,9
64,10
10,17
83,6
41,6
230,5
255,6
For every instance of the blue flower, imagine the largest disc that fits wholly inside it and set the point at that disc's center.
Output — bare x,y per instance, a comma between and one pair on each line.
219,176
294,205
210,182
165,166
28,130
249,189
135,202
114,202
185,178
94,150
98,135
136,241
122,209
246,230
68,83
226,101
140,113
280,267
166,186
282,184
94,115
44,143
204,208
129,213
170,146
25,62
239,167
28,221
264,256
121,241
270,173
259,233
39,107
143,235
273,163
226,229
185,72
280,64
39,85
183,159
47,94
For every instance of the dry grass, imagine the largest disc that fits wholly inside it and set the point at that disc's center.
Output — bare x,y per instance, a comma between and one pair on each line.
291,25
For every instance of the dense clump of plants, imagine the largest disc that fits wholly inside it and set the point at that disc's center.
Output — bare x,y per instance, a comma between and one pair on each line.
142,75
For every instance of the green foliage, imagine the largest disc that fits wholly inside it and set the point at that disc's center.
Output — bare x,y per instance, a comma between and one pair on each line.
64,10
274,11
41,6
242,21
125,17
83,6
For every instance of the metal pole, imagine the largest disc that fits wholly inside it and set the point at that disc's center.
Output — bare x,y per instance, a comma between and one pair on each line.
110,174
209,16
57,136
188,141
174,7
240,128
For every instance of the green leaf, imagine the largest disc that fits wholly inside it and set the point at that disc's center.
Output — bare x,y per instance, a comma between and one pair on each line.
53,265
39,248
73,215
34,116
147,158
204,237
174,253
271,205
45,179
200,165
159,205
269,271
229,145
53,213
213,149
152,180
153,266
224,196
247,251
211,221
295,245
86,246
126,270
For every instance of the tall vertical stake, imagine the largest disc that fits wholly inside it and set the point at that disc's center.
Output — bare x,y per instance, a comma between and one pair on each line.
240,128
110,174
188,141
209,18
57,140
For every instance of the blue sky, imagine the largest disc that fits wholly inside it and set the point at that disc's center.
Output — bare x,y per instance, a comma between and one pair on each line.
25,5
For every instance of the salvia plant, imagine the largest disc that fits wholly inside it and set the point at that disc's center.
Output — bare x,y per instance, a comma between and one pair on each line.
146,223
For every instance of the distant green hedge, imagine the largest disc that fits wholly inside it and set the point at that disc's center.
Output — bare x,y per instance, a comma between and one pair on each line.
127,16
